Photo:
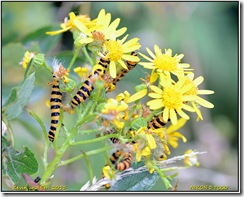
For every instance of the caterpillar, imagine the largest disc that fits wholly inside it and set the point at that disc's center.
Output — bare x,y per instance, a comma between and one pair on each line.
55,102
156,122
126,160
87,87
122,73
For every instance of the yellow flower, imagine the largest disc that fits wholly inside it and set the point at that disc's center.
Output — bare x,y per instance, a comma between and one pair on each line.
142,152
116,112
27,58
191,160
171,98
108,30
118,51
70,24
83,72
123,96
164,62
108,172
101,31
172,136
145,142
194,92
128,99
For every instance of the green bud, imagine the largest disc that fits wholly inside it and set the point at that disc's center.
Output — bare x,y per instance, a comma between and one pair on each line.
69,86
38,60
140,87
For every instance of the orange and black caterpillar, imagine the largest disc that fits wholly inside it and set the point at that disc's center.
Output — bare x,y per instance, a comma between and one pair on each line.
123,72
126,161
87,87
156,122
55,102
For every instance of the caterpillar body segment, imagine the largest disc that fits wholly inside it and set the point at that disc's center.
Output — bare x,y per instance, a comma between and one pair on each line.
156,122
125,163
55,102
88,86
122,73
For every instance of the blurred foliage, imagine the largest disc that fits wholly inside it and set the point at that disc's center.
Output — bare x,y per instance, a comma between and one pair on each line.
206,32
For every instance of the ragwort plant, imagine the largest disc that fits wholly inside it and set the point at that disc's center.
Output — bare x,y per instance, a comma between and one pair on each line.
137,138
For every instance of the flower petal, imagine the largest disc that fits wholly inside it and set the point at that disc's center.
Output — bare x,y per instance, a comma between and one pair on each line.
155,95
150,53
183,114
145,57
155,104
137,96
156,89
173,116
205,92
204,103
198,81
112,69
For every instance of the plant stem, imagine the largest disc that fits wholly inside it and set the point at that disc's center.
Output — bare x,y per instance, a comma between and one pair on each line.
47,67
88,163
87,55
94,140
93,152
74,58
44,159
57,158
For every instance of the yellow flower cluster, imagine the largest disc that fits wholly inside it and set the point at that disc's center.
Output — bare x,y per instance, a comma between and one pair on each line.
171,89
101,34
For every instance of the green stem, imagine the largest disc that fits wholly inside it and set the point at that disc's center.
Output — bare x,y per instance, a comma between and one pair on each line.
87,55
90,131
94,56
28,69
94,140
163,177
74,58
44,131
57,158
93,152
82,119
88,163
47,67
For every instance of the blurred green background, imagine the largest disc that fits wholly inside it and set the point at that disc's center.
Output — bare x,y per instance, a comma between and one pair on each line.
205,32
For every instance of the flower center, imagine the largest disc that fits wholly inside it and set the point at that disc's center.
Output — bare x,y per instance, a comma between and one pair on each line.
172,98
165,63
115,50
193,90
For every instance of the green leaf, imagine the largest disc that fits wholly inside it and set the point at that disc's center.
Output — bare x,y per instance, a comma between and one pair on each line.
5,144
46,42
12,96
15,163
23,95
142,181
138,123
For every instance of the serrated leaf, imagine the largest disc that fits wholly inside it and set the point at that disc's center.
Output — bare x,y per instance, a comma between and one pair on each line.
142,181
46,42
138,123
5,144
15,163
23,95
12,96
